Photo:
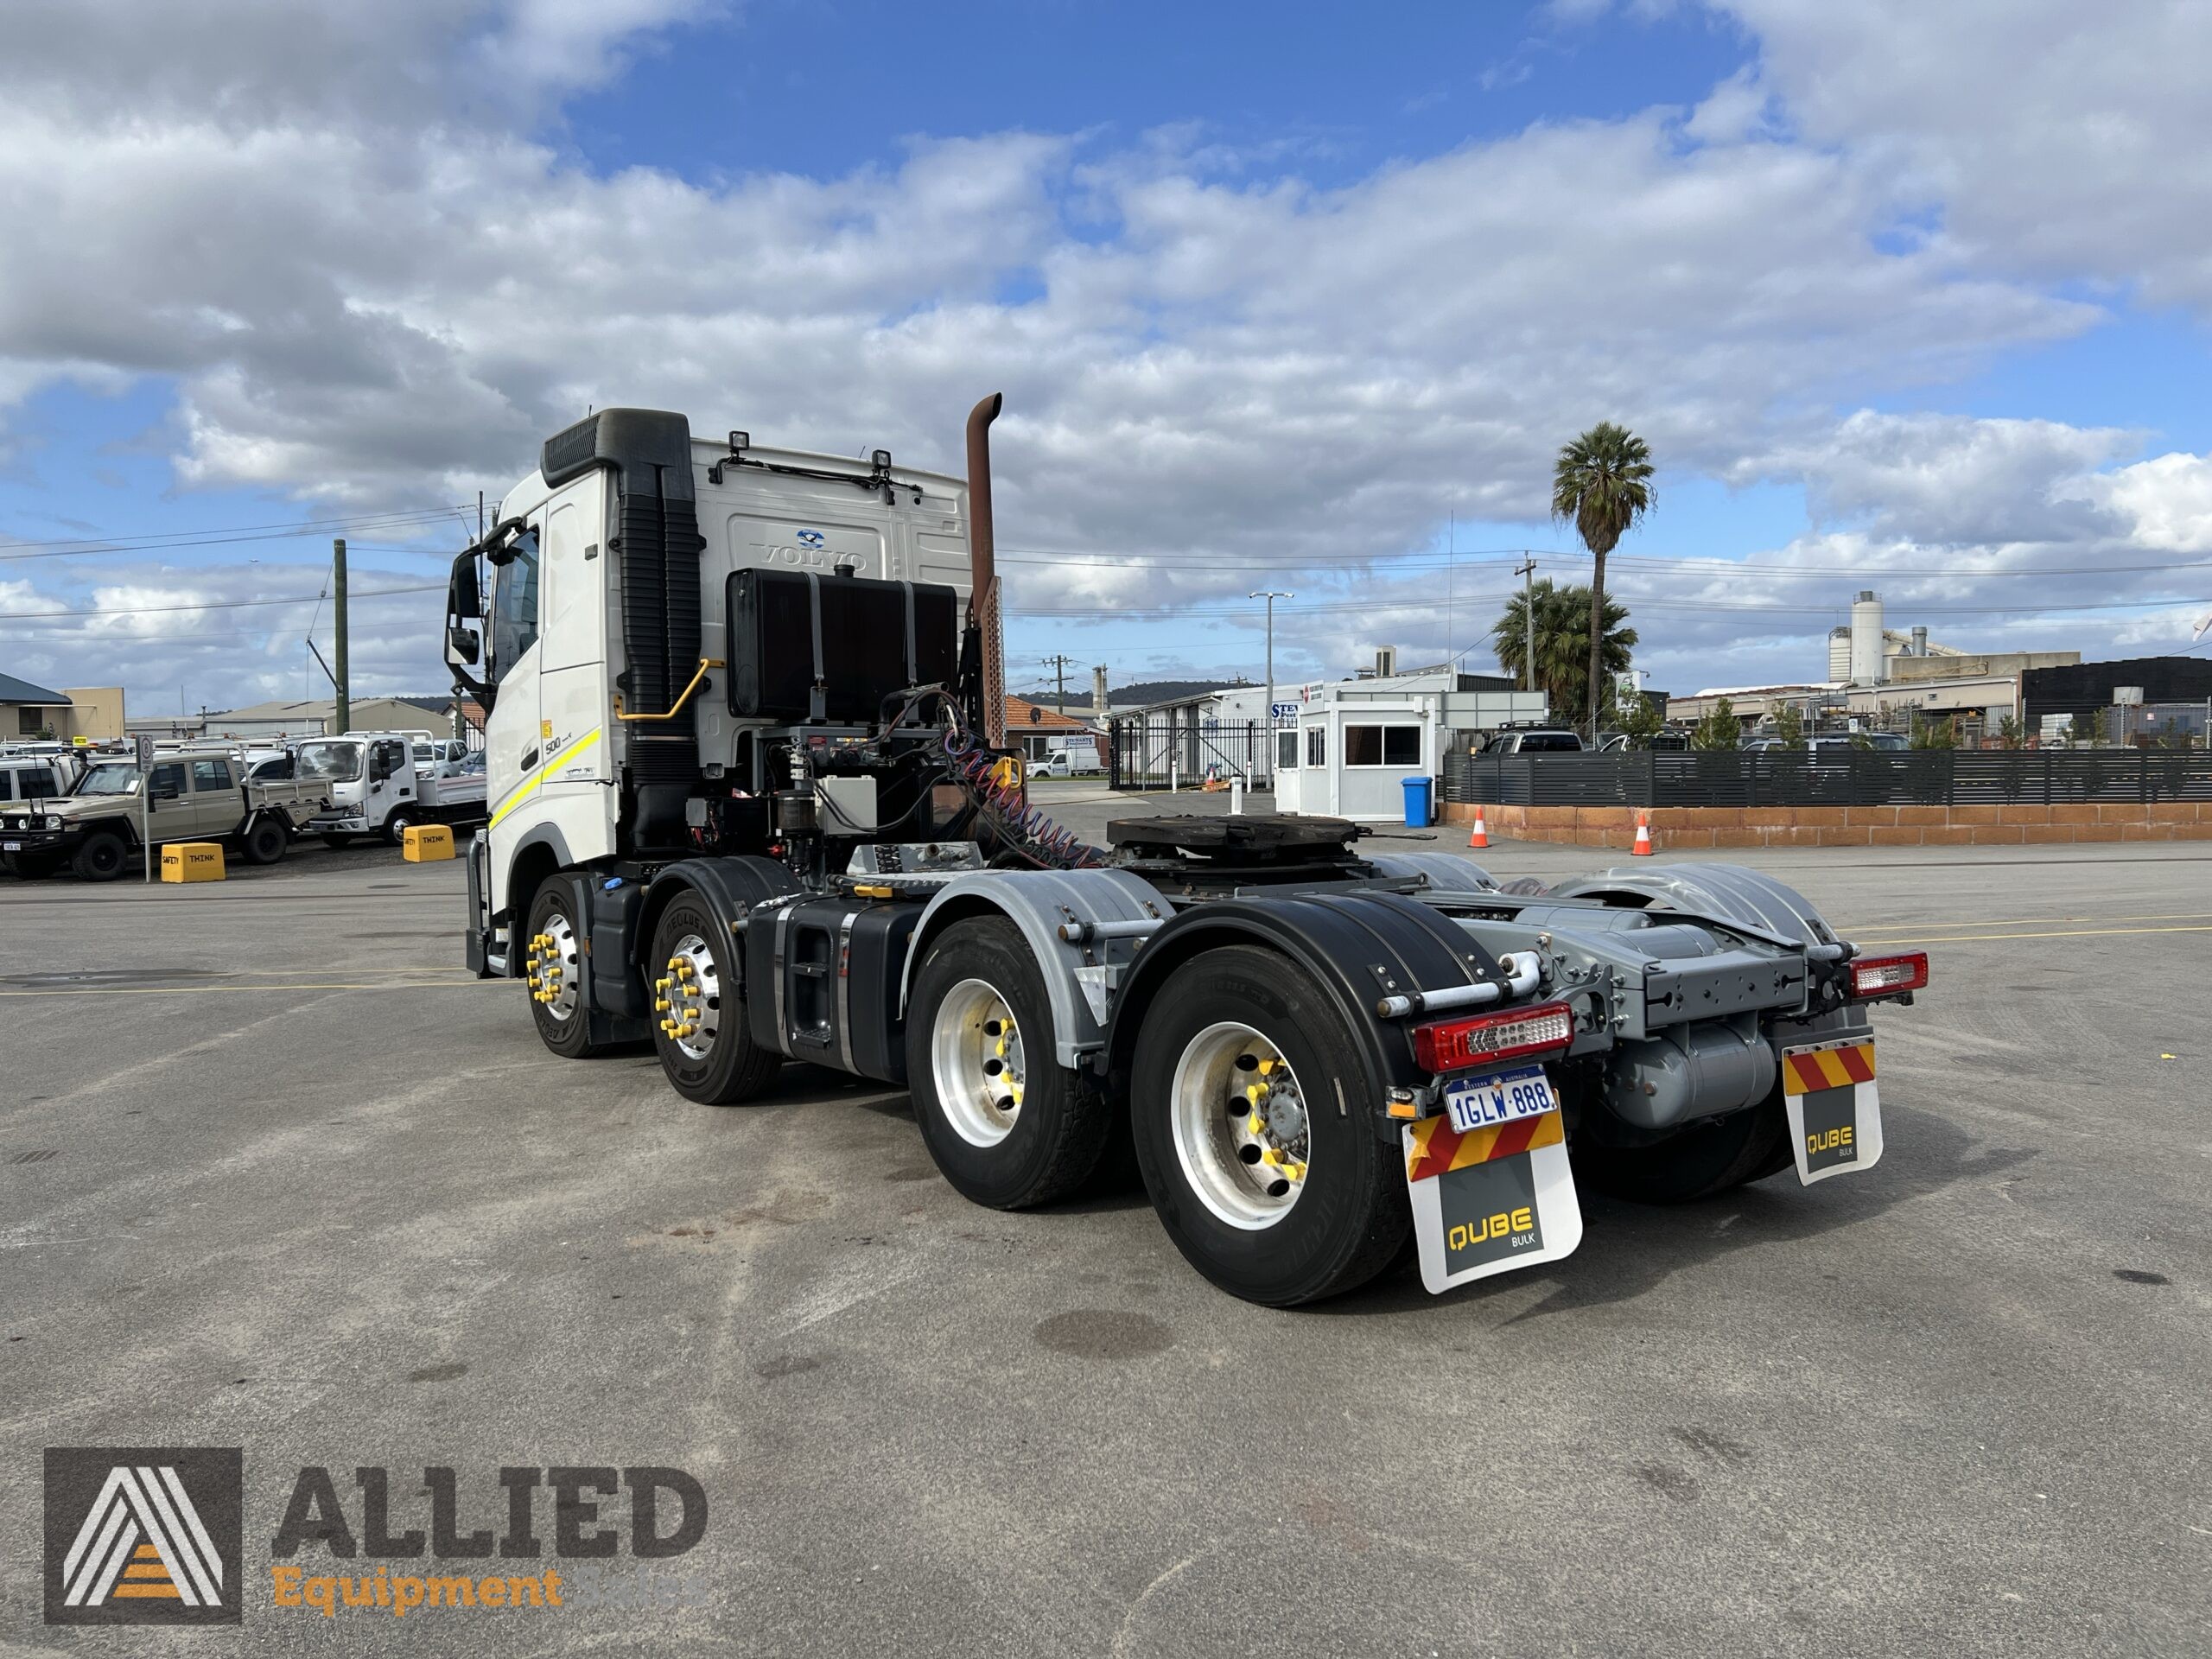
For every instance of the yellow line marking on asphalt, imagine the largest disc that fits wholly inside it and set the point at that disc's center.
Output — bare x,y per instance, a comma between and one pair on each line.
2000,939
2029,921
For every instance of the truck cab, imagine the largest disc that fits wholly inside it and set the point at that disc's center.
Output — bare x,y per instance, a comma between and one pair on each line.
378,786
601,643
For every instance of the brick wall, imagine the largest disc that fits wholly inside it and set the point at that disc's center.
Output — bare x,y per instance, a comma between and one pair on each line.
1680,827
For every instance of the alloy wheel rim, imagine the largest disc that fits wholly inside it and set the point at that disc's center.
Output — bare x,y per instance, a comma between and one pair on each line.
977,1063
1241,1126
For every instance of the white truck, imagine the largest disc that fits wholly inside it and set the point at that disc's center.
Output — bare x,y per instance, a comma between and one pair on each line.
377,787
750,802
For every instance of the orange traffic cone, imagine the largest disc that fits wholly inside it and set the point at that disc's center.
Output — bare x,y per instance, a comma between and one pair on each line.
1643,848
1481,837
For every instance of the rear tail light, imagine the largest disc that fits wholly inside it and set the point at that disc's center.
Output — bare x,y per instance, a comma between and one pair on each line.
1486,1038
1887,975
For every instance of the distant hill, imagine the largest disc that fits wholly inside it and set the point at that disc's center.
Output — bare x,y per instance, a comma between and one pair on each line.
1142,691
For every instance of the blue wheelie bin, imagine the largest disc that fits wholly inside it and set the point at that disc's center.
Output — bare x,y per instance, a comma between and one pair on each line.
1417,794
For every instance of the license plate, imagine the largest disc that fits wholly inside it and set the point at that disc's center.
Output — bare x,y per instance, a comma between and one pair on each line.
1500,1098
11,846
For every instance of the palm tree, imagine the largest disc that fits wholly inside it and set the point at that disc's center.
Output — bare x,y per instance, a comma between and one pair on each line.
1563,639
1601,483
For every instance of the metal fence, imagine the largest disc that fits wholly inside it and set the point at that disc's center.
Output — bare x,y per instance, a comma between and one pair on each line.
1158,752
1829,777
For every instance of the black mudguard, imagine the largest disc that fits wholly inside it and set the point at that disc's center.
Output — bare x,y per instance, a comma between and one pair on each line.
1361,946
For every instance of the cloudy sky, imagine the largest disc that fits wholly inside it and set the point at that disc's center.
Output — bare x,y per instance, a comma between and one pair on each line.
1902,296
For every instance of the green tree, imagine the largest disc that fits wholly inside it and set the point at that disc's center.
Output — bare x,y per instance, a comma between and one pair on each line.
1642,721
1790,728
1562,639
1933,733
1718,729
1601,483
2011,734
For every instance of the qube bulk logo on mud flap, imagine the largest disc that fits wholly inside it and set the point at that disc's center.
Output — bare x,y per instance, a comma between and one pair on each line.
144,1535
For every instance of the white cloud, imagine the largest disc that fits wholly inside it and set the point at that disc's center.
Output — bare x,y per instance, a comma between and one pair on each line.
2059,139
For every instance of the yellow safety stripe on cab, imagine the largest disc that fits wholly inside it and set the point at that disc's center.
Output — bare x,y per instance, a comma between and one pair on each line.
523,790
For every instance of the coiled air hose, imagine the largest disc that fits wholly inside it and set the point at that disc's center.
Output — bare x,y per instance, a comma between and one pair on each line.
1039,839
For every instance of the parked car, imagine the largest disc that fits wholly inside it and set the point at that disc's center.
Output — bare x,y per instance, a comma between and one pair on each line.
195,796
1534,742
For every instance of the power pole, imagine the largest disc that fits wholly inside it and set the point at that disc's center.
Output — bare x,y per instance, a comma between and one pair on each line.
1060,667
1269,724
1529,617
343,715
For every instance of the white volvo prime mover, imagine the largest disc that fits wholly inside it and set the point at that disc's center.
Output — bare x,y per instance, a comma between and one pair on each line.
748,801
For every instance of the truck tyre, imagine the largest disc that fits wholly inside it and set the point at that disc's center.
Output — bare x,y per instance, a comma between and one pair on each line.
395,826
1702,1161
1002,1121
558,995
102,856
699,1026
29,866
265,842
1255,1140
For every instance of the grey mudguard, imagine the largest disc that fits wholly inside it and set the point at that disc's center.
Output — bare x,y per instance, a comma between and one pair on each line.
1728,893
1080,979
1441,872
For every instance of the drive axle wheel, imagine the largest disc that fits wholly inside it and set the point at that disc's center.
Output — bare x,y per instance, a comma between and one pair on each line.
699,1030
1255,1133
553,969
1006,1124
1701,1161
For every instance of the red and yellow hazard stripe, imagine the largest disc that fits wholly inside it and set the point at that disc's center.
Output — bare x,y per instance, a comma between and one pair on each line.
1437,1147
1817,1069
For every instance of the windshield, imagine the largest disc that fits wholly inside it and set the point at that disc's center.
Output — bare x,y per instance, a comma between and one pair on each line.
337,762
110,777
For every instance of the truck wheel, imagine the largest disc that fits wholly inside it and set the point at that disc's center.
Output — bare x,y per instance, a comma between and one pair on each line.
395,826
26,865
1702,1161
699,1030
266,841
102,857
1004,1123
555,973
1266,1172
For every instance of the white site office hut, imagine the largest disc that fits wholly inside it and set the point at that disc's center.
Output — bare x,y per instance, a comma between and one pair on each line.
1351,759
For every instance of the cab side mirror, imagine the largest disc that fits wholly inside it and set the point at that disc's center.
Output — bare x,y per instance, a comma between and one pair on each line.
462,598
460,643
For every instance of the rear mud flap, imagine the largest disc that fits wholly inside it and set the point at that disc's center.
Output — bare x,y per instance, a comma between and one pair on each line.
1835,1108
1492,1200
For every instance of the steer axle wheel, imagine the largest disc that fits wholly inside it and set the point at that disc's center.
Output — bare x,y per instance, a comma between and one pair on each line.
553,969
699,1028
1003,1120
1255,1133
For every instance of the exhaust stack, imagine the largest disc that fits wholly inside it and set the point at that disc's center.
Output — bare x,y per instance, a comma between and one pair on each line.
983,590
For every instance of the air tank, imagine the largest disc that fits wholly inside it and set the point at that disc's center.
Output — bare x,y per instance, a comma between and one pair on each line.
1866,666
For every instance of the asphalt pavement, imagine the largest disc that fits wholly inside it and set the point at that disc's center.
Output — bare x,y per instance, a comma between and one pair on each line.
277,1174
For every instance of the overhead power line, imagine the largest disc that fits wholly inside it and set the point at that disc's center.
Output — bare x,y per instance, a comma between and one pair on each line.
164,541
214,604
